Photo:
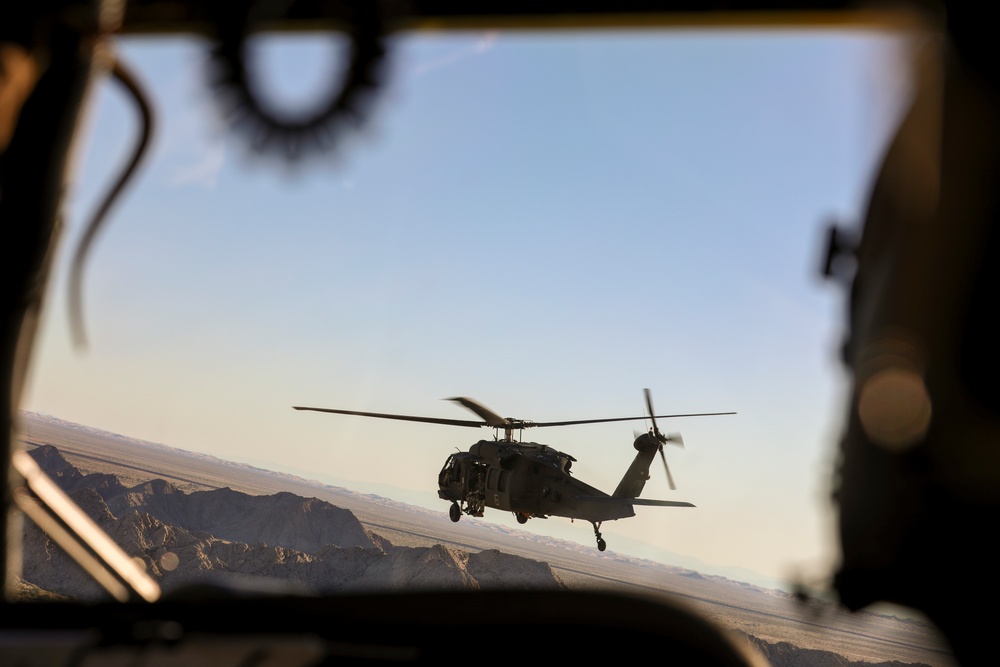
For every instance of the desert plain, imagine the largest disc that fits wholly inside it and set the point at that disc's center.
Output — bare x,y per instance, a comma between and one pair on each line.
773,616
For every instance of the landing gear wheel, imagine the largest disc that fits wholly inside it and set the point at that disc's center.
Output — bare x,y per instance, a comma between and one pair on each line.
601,544
455,512
521,518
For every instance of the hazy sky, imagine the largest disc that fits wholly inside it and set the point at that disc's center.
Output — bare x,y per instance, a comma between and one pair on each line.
545,223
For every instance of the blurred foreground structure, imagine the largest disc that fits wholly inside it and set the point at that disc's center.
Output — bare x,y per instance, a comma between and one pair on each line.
918,485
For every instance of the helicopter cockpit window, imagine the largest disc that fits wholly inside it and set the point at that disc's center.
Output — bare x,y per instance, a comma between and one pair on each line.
450,471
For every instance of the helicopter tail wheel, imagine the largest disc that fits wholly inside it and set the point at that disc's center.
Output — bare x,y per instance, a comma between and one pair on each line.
521,518
455,512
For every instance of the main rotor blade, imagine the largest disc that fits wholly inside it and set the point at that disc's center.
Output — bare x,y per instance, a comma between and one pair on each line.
670,478
624,419
494,420
491,418
381,415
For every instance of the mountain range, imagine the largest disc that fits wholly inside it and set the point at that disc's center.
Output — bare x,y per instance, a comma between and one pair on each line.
222,535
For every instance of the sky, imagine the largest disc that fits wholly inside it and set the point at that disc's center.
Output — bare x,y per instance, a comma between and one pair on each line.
547,223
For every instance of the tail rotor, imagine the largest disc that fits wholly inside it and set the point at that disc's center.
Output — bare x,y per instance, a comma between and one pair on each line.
661,439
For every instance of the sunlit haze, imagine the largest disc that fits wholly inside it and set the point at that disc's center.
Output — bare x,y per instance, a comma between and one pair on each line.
545,223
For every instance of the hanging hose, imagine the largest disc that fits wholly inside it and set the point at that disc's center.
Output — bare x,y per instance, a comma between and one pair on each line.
121,74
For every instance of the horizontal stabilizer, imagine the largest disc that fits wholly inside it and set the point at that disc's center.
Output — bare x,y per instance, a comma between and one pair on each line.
634,501
659,503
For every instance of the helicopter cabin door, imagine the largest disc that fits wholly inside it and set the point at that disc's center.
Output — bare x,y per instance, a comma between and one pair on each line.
498,488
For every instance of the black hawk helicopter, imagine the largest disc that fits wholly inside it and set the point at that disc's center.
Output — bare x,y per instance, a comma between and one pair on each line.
533,481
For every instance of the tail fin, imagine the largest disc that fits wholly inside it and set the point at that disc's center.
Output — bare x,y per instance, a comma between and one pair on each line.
638,473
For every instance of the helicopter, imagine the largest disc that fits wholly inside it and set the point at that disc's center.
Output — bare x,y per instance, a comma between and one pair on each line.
533,481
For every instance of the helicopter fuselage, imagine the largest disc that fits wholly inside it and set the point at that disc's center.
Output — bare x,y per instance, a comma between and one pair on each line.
526,478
